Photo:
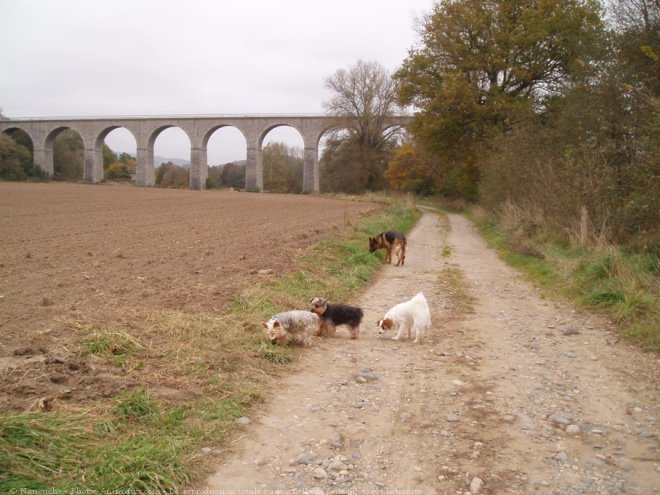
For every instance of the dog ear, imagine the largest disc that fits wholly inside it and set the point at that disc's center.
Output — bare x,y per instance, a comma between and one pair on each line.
385,323
264,324
277,324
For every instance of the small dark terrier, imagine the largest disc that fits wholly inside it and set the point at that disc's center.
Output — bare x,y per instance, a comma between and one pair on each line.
336,314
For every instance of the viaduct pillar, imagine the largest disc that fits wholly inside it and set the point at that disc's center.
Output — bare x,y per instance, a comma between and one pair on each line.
198,169
93,165
254,170
44,158
145,174
311,170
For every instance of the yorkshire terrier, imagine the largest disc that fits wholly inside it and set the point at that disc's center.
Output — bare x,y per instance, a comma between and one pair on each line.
332,315
292,327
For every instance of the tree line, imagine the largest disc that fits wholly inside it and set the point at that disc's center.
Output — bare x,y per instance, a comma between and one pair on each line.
548,108
282,171
282,165
16,161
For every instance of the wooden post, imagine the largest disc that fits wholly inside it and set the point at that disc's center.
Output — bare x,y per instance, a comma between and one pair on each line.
584,226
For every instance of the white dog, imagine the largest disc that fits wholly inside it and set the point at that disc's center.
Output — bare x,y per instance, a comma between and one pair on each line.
410,316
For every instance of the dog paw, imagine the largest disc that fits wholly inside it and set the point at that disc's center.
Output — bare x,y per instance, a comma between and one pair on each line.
395,338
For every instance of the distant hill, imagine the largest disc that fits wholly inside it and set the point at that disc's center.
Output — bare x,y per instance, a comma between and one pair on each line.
177,161
185,163
235,162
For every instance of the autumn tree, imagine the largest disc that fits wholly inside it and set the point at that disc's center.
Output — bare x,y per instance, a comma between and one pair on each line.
109,156
228,175
637,38
121,166
233,175
408,170
213,176
15,159
364,96
171,175
483,66
340,169
593,148
129,162
283,168
68,156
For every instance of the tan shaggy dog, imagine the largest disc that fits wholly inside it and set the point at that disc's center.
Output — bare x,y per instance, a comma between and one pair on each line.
292,327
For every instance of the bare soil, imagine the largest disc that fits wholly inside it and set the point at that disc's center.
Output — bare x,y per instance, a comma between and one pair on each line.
511,393
73,254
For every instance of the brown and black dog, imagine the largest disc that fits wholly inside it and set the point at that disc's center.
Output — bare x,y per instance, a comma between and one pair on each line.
390,240
333,315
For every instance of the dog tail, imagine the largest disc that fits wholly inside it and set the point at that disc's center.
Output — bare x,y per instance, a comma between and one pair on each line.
400,249
424,312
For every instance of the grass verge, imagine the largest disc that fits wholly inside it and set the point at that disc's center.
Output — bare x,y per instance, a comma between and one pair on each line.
623,286
462,302
185,379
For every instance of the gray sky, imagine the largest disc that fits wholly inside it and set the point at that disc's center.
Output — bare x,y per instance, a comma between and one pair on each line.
166,57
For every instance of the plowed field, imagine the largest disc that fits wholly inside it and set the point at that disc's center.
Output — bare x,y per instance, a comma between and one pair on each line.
79,253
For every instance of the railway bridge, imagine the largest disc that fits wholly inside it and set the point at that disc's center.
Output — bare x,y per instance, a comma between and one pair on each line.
199,129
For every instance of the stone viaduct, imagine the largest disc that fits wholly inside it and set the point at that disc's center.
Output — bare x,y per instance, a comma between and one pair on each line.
145,130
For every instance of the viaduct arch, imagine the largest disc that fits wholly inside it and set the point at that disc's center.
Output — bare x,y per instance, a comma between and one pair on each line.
93,131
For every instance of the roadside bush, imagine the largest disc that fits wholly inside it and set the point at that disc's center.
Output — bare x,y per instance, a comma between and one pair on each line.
117,171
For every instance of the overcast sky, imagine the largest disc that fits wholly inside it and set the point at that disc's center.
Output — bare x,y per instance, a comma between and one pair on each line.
170,57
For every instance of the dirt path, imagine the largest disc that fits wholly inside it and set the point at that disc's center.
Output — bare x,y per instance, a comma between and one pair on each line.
519,395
